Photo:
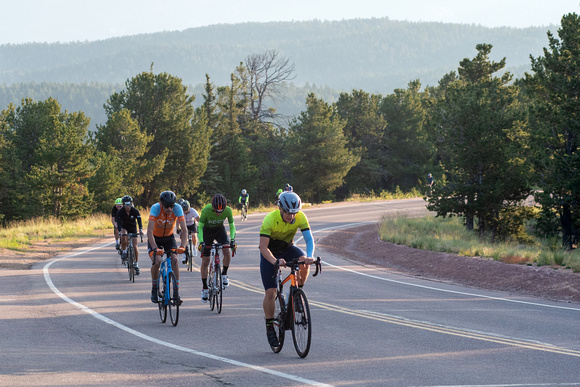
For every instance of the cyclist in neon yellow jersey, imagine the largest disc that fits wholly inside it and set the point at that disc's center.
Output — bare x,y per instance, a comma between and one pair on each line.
211,227
277,244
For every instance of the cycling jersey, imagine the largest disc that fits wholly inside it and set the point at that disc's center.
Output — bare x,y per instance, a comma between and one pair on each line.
165,223
282,234
114,211
211,220
128,221
244,198
190,216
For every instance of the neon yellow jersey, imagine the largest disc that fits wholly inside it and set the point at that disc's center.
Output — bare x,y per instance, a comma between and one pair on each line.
282,234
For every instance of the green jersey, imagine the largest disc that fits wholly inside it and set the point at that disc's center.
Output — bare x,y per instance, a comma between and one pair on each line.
210,219
282,234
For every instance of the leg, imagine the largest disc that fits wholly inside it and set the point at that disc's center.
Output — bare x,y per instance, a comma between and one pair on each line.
136,249
204,266
269,303
303,274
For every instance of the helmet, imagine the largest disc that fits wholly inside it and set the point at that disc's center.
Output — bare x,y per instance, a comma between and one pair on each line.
429,175
127,200
243,192
288,188
185,205
290,202
167,198
219,202
118,201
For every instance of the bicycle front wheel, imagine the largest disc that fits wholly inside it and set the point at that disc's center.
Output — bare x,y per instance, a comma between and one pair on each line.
279,318
130,263
173,304
211,286
301,324
161,296
218,289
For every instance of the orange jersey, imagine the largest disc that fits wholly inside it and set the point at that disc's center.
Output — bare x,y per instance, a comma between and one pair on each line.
165,223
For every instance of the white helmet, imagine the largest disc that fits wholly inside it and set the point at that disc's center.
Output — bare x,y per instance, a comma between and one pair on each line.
290,202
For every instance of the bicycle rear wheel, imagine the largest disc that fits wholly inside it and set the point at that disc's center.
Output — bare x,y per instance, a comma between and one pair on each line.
161,296
173,304
130,263
279,318
190,256
218,289
301,324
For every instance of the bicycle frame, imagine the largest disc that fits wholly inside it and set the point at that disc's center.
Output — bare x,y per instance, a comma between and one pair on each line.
167,290
214,277
293,314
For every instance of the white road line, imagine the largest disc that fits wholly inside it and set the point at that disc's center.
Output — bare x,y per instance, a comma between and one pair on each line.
143,336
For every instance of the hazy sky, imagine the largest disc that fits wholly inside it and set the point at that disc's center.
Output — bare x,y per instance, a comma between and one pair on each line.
24,21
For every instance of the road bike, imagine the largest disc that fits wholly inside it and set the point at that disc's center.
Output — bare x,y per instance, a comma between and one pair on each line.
244,212
214,277
292,311
167,296
189,252
129,262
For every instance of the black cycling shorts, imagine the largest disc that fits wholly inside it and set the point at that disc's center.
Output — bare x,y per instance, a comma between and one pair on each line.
268,270
210,234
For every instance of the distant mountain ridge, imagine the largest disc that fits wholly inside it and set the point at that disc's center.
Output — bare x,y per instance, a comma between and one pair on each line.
376,55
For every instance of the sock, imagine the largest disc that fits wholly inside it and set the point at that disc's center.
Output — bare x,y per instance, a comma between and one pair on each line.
155,283
204,282
225,270
269,322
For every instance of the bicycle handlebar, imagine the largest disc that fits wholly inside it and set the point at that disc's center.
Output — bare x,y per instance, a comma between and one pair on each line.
317,262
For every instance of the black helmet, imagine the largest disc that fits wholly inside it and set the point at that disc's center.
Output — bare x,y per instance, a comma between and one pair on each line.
219,203
127,200
290,202
185,205
167,198
288,188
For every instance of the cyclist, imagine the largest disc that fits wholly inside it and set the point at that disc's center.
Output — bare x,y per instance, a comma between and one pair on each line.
162,219
277,244
118,205
288,188
191,219
127,219
244,199
211,227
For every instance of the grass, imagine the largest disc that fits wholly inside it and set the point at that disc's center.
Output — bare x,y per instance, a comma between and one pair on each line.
18,235
450,235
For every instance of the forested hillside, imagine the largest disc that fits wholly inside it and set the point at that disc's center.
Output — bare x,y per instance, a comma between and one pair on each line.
376,55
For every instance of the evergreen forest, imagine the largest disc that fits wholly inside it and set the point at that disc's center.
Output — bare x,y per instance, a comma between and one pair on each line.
490,136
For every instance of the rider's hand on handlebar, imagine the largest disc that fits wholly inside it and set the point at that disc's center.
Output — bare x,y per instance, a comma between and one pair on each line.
201,247
180,250
281,262
308,261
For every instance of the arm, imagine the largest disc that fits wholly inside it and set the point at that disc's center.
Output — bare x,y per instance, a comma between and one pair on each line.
266,253
307,234
183,234
150,236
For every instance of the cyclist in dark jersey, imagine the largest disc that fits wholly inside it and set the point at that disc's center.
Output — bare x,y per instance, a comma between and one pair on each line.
127,219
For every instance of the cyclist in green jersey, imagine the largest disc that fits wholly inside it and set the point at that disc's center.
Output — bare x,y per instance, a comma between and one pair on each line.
211,227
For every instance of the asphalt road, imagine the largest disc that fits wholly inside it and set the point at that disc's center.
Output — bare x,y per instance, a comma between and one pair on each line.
76,320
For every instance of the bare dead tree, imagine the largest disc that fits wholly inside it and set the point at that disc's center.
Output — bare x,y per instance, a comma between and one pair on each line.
266,72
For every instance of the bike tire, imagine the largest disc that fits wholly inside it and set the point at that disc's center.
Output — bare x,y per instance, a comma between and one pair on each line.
131,263
218,290
161,304
173,304
190,256
279,318
210,285
301,323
